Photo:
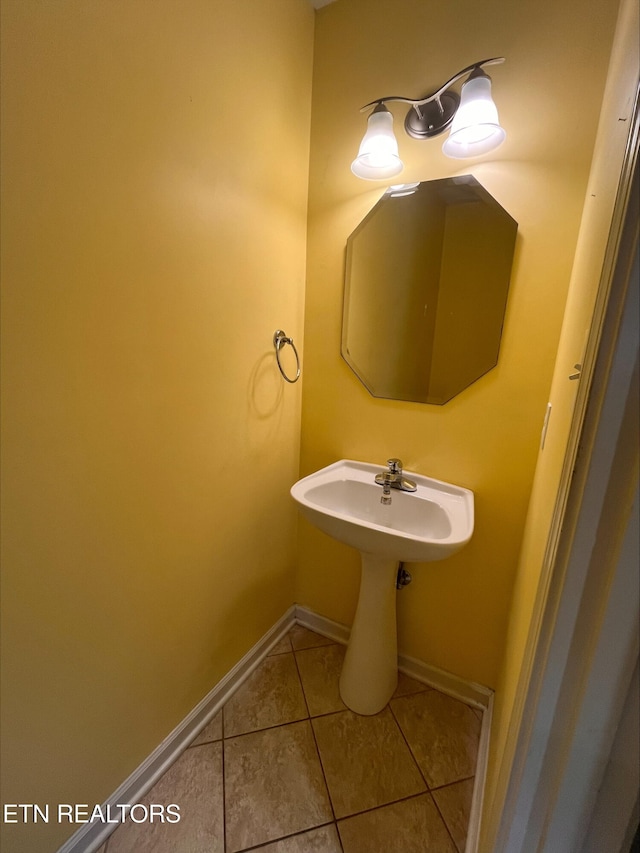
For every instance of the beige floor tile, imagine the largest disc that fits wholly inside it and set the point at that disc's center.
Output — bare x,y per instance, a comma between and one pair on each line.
454,803
408,685
323,840
443,734
282,646
271,696
320,670
412,826
303,638
212,731
365,760
273,785
194,783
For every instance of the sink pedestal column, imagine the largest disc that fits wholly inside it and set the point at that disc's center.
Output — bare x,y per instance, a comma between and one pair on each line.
370,671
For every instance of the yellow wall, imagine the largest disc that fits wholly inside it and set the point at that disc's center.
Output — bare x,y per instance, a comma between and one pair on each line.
153,238
533,574
454,615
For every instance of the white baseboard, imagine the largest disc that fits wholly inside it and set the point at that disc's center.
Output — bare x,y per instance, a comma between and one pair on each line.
90,837
467,691
321,625
475,816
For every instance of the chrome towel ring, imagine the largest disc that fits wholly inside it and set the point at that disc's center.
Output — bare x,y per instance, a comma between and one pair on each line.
279,340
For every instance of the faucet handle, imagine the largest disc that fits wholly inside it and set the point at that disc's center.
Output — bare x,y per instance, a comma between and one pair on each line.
395,466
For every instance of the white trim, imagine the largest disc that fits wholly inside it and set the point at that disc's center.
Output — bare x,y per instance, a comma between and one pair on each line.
321,625
459,688
608,192
585,670
90,837
559,707
482,762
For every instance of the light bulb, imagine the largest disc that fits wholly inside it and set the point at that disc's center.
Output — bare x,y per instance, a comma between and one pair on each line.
378,154
475,128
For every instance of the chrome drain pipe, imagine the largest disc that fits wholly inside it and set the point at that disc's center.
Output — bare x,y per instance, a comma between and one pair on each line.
404,577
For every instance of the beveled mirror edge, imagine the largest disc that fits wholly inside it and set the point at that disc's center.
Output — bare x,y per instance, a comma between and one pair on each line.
430,399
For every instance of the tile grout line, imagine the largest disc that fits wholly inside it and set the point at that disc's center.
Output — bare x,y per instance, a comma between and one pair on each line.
304,695
324,777
385,805
282,725
429,789
285,837
334,821
446,825
298,834
425,688
451,784
411,753
433,799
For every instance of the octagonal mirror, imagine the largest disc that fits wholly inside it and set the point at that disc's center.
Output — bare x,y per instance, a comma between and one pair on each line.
427,279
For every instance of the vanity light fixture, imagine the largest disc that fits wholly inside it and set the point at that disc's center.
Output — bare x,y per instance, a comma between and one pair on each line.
472,117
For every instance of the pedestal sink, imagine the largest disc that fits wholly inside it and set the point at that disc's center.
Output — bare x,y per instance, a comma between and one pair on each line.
431,523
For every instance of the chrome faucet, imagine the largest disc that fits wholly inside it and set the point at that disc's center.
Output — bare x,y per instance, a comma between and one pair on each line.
393,477
386,488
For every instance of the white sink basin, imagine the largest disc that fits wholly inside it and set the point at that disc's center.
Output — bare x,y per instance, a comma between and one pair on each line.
431,523
343,500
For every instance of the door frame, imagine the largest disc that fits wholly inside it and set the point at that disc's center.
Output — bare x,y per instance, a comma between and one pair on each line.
572,702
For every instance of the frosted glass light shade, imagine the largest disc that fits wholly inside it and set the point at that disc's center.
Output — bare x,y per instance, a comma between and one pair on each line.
475,128
378,154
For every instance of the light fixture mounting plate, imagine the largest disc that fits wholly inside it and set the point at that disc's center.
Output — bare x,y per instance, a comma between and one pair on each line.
434,119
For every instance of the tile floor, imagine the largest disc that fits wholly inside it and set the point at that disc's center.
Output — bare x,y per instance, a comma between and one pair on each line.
285,767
